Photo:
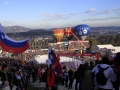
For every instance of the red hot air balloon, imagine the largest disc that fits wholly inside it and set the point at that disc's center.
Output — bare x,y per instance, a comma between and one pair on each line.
68,33
58,34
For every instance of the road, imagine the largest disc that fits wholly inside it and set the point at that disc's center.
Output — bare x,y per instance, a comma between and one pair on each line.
42,86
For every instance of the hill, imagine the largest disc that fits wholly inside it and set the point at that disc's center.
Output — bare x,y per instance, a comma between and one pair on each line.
27,32
31,33
105,28
10,29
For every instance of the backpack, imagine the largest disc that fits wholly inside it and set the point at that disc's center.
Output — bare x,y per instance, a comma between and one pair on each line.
100,77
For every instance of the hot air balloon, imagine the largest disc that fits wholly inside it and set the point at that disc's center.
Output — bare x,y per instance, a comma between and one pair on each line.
68,33
82,31
58,34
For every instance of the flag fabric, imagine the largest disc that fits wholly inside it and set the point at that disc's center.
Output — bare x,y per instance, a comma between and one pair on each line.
53,59
11,45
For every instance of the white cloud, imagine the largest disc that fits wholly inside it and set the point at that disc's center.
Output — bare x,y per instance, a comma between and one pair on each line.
99,19
48,16
118,13
45,15
72,13
6,2
57,15
94,19
104,12
99,24
5,22
116,9
92,10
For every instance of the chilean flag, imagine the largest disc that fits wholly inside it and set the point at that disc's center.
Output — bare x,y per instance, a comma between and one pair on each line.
12,46
53,59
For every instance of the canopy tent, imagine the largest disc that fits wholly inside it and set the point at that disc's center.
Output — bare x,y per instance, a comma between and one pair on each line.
69,61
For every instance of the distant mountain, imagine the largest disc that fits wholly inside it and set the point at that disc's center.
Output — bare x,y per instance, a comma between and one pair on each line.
31,33
50,29
96,28
10,29
25,32
105,28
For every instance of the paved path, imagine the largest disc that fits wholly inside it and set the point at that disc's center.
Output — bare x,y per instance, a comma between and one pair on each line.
42,86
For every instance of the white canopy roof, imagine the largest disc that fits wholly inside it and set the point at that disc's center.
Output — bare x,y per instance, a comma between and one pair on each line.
105,46
43,58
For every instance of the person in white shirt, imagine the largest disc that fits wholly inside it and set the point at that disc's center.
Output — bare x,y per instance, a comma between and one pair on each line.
108,73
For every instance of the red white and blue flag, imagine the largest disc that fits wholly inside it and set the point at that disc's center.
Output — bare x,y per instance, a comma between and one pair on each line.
12,46
53,59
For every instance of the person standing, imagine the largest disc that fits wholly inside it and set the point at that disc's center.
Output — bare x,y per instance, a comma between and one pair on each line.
71,77
86,77
51,78
66,77
24,79
39,74
5,76
33,75
104,75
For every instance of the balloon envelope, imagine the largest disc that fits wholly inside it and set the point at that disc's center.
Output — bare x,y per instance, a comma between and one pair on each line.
58,34
82,31
68,33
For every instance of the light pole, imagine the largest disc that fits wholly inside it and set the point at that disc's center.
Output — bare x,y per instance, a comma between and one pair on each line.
14,32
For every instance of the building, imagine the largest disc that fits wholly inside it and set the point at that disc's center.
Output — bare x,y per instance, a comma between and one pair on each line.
107,48
40,45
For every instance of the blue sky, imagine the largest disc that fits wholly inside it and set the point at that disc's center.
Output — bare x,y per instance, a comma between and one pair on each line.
59,13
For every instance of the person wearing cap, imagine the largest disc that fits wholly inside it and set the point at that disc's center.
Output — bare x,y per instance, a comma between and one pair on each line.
24,79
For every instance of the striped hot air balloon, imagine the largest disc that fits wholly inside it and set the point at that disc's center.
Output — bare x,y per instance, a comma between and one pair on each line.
68,33
58,34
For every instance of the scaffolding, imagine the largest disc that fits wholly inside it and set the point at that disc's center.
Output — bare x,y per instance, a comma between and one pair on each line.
78,39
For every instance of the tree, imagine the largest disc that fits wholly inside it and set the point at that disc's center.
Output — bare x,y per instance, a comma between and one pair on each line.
94,42
111,40
117,40
90,42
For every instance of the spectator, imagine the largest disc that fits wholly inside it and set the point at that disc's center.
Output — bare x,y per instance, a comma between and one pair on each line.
108,75
51,78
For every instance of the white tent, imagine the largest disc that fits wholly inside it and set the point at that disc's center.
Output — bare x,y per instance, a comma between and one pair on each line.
44,58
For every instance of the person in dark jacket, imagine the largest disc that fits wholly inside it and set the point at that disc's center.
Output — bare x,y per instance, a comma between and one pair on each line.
5,76
56,80
66,77
71,77
77,77
116,61
33,75
24,80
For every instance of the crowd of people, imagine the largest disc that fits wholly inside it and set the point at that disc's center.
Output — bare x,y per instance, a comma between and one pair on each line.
78,45
102,75
16,75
